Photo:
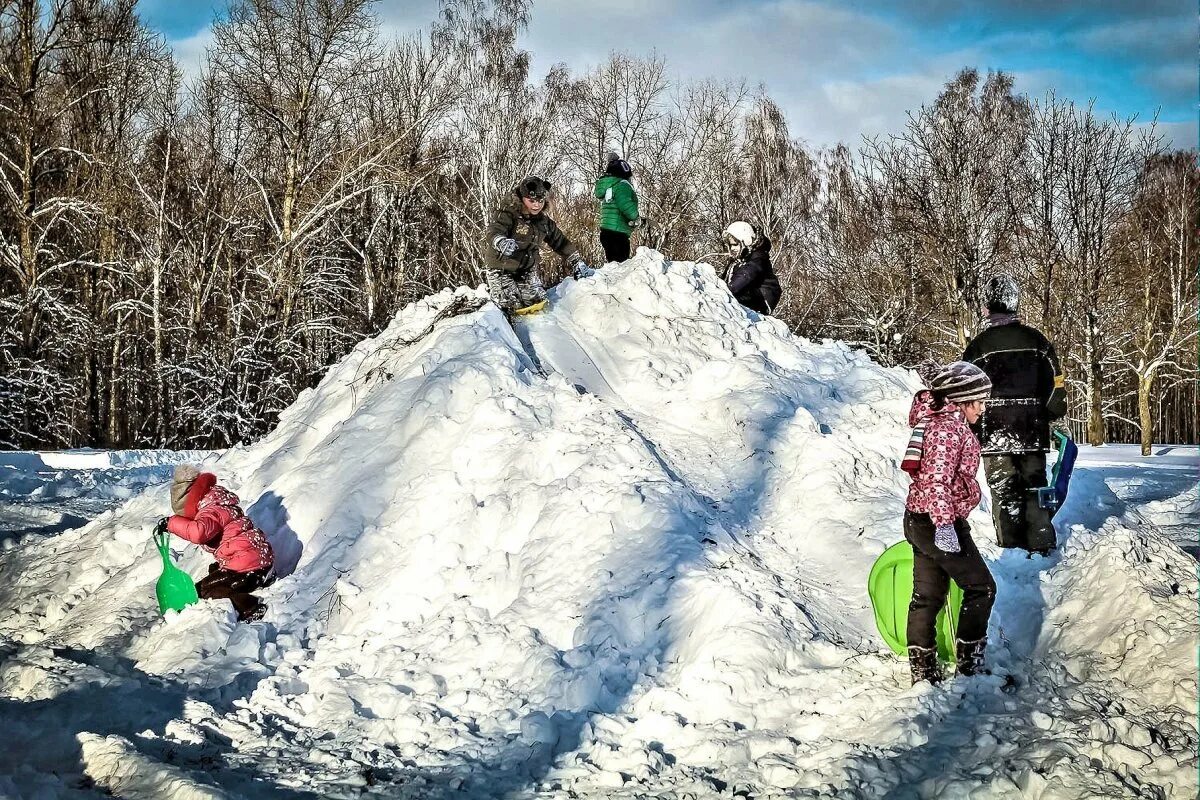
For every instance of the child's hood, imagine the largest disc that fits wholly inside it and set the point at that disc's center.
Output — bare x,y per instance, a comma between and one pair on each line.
190,504
923,411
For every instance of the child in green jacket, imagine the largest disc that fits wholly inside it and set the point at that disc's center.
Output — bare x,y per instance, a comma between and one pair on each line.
618,208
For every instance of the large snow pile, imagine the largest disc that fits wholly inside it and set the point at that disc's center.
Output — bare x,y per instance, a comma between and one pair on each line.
617,550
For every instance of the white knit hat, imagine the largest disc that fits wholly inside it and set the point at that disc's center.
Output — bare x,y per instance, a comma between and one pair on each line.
181,483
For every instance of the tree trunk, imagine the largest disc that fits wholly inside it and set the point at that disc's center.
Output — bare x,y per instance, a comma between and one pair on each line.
1095,428
1145,384
115,404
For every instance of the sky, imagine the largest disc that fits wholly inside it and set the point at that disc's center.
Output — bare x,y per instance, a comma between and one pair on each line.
842,70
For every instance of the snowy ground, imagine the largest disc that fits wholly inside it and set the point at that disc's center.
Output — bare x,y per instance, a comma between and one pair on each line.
618,551
48,493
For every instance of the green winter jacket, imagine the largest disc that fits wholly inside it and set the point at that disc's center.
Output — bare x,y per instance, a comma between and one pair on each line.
618,204
530,232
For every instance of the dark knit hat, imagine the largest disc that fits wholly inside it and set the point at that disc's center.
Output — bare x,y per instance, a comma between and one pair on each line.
1002,294
618,167
961,382
534,187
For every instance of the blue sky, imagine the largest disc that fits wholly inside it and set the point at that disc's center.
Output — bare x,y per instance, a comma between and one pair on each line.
844,69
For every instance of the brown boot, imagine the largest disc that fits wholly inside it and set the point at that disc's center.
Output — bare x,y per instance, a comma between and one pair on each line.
923,661
970,657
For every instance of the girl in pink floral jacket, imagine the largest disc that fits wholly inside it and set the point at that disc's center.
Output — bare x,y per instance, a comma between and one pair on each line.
943,459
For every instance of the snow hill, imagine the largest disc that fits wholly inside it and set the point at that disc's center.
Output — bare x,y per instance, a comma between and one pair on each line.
617,550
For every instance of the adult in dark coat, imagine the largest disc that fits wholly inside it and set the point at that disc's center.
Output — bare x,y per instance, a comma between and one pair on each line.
514,243
1027,396
749,274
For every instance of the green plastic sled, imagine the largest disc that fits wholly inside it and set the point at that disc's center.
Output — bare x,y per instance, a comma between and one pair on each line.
890,586
175,589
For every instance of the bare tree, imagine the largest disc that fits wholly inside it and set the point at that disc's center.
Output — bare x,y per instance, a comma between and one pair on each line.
1159,285
685,177
951,178
504,128
1102,162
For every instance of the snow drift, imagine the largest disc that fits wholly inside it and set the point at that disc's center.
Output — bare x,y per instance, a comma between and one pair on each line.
618,549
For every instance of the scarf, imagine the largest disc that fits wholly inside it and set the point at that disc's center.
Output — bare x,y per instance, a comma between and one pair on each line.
1000,318
911,462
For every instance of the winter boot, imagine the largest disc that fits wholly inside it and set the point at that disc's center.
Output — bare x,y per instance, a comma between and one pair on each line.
970,657
530,290
923,661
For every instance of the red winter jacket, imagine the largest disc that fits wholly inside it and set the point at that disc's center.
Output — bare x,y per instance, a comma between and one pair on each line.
944,486
212,519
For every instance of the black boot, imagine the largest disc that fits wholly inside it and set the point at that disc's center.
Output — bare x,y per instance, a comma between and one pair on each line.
970,657
923,661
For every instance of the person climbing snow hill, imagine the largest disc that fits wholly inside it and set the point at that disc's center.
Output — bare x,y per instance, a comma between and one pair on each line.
618,208
943,459
513,245
208,514
749,274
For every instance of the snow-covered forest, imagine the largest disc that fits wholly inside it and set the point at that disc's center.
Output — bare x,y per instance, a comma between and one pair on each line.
179,257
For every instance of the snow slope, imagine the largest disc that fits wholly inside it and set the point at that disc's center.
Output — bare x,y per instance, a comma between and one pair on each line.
616,550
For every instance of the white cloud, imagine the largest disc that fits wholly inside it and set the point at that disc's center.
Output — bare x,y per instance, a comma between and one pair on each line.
1177,135
838,73
190,51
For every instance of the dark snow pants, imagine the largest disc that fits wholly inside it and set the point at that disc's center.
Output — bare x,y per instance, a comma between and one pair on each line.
236,587
1020,521
615,244
932,571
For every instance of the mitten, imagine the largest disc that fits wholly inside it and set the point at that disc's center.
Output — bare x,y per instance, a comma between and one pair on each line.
945,538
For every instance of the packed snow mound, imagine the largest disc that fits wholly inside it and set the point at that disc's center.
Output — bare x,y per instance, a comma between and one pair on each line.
616,549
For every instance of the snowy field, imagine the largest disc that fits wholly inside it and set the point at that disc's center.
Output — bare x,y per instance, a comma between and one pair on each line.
48,493
618,550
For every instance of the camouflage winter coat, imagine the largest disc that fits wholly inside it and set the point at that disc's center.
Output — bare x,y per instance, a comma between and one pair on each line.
529,231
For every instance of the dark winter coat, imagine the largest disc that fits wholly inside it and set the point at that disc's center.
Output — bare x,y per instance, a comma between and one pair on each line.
618,204
212,518
1027,388
529,231
752,280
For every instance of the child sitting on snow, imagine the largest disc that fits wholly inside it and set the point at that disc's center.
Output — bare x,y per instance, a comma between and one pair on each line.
943,459
208,514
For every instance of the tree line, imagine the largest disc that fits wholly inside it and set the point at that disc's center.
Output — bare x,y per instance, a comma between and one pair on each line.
180,256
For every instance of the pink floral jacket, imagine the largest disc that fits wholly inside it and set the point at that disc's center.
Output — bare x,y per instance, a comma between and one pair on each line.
944,486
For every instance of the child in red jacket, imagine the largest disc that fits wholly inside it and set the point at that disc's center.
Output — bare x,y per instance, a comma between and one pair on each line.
208,514
943,459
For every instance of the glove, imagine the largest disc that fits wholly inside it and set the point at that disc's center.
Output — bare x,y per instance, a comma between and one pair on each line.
635,223
504,246
1059,426
161,525
945,538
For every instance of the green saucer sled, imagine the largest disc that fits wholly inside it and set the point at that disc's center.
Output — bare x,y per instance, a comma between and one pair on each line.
890,586
175,589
